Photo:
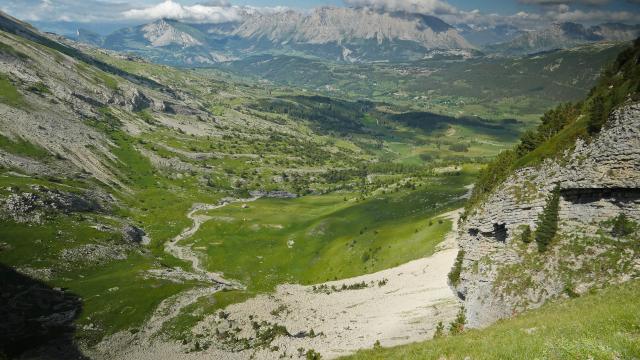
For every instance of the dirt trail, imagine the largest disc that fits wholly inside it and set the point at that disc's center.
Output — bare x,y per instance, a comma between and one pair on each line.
184,252
127,345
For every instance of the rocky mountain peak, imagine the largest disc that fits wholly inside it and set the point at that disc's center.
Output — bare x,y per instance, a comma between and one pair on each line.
164,32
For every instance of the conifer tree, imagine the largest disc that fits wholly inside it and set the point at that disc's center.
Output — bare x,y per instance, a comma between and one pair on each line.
548,221
457,326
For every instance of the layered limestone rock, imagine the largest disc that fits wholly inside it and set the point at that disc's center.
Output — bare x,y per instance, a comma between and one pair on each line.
502,275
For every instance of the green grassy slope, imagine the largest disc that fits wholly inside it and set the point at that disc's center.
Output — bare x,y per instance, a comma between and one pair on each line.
604,325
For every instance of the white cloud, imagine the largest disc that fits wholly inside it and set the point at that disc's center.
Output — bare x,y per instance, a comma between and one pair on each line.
594,16
67,10
477,19
427,7
266,10
219,11
565,2
209,13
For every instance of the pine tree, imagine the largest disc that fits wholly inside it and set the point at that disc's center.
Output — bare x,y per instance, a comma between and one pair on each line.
622,226
548,221
526,235
457,326
439,330
597,115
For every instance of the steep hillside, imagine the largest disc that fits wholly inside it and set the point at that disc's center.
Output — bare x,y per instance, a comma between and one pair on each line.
565,218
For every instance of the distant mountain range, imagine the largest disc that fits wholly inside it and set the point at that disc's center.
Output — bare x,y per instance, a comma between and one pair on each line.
344,34
563,35
341,34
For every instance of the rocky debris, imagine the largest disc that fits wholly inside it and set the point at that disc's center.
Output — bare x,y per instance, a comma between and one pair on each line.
44,274
598,181
179,109
94,254
173,163
131,99
89,100
133,234
31,166
159,105
276,194
137,101
176,275
35,206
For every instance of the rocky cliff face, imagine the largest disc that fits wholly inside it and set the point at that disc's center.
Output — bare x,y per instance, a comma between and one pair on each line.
503,275
341,25
162,33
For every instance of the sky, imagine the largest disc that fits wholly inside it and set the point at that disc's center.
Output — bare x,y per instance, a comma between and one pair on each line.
522,13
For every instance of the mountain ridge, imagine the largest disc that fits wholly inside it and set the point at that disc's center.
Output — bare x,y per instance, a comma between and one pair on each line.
564,35
344,34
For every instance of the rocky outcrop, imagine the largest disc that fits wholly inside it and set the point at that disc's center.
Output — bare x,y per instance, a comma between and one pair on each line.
35,205
133,234
276,194
502,275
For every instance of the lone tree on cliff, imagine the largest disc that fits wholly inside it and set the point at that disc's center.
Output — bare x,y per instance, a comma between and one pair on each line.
548,221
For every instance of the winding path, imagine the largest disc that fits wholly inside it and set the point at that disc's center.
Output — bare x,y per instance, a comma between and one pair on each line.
124,345
184,252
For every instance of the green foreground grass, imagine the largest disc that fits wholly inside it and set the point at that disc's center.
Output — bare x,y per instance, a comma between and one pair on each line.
604,325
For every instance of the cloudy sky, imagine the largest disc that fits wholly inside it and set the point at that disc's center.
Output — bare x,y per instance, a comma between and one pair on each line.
525,13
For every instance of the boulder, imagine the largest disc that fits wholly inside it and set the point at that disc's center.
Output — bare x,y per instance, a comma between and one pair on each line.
133,234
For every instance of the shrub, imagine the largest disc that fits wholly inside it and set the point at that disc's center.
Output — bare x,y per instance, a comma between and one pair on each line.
426,157
457,326
439,330
459,147
526,234
313,355
622,226
548,221
454,275
39,88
